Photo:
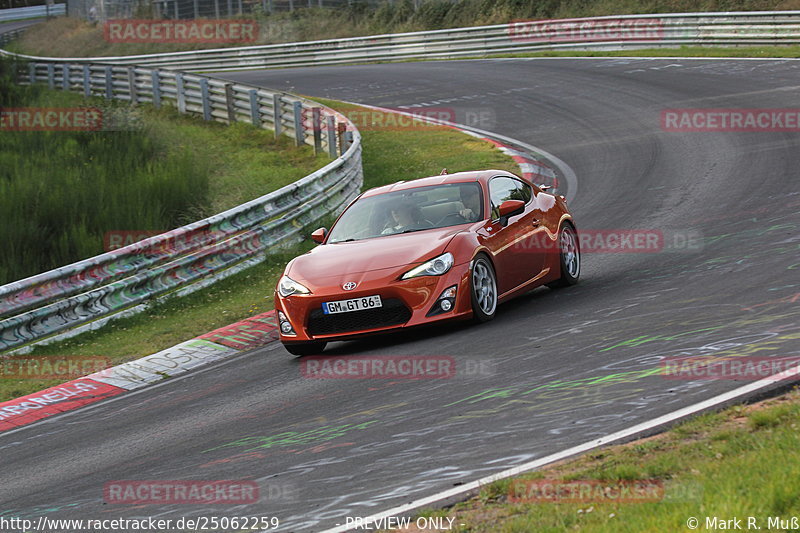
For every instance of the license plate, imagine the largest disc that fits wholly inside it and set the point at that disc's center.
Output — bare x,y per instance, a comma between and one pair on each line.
355,304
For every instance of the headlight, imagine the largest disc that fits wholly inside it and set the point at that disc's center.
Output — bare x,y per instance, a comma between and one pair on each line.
287,286
435,267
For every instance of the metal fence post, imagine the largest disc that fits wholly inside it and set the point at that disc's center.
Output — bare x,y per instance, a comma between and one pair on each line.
277,112
316,129
230,103
155,76
181,94
87,81
109,83
299,134
65,77
255,108
50,76
32,72
132,85
341,128
331,131
204,96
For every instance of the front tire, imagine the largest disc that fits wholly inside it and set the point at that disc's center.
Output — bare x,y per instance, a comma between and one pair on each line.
570,258
483,289
305,348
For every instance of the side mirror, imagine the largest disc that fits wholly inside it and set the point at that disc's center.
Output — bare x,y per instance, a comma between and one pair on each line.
318,236
510,208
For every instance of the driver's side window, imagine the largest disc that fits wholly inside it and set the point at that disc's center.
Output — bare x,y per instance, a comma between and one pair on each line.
502,189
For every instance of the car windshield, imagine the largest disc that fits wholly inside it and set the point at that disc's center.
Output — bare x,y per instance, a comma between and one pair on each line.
421,208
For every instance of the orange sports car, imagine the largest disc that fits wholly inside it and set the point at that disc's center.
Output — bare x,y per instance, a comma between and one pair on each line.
416,252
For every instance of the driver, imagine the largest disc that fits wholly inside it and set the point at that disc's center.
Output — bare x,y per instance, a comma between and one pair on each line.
406,216
471,198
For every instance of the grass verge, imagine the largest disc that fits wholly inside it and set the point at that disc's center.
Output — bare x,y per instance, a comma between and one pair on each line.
738,463
389,156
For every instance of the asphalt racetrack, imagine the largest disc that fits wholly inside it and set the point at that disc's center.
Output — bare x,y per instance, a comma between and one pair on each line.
17,24
553,370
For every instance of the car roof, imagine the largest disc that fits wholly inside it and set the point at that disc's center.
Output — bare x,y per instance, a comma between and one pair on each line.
458,177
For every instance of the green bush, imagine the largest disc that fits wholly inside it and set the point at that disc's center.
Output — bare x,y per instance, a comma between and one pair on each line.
60,191
12,93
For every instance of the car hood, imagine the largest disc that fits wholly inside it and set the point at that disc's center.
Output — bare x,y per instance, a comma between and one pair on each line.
391,251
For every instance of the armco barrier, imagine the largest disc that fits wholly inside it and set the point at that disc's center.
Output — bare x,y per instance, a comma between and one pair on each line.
103,286
7,37
22,13
598,33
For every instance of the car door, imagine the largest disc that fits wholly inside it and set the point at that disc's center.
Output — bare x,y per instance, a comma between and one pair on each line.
534,245
516,259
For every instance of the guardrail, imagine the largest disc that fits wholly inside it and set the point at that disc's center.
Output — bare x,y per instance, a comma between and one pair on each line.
7,37
599,33
87,293
21,13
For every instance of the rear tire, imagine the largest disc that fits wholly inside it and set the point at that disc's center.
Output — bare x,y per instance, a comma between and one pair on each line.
569,257
483,289
305,348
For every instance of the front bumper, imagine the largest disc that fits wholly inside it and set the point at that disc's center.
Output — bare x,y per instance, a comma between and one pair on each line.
406,303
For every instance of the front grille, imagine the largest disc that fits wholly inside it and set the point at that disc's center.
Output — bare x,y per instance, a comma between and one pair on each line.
392,313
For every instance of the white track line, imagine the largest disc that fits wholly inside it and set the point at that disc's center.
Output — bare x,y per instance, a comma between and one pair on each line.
647,58
608,439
